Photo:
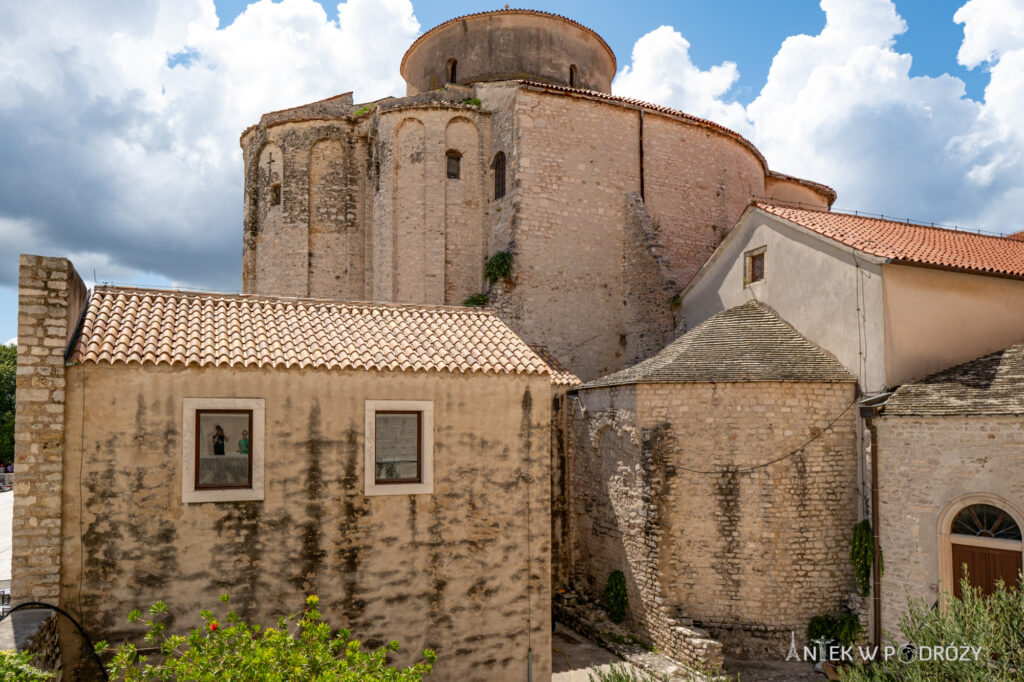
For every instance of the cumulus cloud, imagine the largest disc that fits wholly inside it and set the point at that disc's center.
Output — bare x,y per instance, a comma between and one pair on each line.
841,107
662,71
120,121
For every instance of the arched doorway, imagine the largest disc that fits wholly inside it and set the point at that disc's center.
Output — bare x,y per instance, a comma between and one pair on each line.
982,533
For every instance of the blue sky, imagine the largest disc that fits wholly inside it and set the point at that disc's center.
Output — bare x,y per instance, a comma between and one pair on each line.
120,119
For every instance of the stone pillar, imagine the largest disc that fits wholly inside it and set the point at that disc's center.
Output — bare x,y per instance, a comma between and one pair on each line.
50,300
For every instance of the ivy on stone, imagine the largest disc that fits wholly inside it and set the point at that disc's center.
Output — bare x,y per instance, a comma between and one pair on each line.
499,267
862,556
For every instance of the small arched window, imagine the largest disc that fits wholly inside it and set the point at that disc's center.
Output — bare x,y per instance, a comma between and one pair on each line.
454,160
499,175
275,194
452,63
572,76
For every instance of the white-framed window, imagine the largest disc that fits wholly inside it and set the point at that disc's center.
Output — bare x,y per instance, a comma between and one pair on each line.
754,266
399,447
222,449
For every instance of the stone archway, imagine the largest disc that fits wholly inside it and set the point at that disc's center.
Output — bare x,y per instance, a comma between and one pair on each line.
983,531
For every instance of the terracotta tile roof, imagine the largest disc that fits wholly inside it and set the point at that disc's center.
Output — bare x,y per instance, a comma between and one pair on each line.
148,326
658,108
560,374
910,243
746,343
1016,236
533,12
990,385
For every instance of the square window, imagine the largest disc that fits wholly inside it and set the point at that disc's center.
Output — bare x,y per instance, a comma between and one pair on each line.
754,266
399,447
222,449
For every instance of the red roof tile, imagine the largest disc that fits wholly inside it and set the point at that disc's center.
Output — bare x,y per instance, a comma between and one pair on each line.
911,243
149,326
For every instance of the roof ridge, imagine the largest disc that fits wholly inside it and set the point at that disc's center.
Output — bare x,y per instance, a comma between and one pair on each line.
862,216
301,300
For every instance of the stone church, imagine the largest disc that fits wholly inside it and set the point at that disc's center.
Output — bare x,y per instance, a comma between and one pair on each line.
499,339
508,141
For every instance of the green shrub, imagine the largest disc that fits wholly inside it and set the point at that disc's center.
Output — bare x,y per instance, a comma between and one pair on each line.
476,300
499,267
17,666
362,111
994,622
472,101
300,650
8,369
622,673
615,598
845,628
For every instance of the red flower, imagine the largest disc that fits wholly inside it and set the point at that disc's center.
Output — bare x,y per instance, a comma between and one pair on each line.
213,626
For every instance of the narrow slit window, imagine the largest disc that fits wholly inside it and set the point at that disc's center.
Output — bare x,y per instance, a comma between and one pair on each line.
572,76
452,63
454,161
398,442
275,194
499,175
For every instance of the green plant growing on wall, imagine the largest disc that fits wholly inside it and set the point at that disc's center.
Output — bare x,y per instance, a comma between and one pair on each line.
615,598
844,628
499,267
8,370
362,111
16,666
862,556
301,650
676,302
475,300
472,101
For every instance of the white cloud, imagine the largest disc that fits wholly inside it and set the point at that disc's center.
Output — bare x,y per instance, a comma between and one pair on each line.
12,341
120,124
662,71
841,107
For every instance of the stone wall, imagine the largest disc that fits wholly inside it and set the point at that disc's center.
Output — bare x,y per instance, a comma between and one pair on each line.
746,554
465,570
927,465
50,299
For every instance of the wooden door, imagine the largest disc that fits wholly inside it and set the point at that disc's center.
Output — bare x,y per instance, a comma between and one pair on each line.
985,565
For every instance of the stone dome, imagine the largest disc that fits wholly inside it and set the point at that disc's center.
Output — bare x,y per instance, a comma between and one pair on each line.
507,45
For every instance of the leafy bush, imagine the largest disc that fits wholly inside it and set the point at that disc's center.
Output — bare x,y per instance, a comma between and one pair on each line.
994,622
476,300
622,673
862,556
615,598
472,101
8,369
362,111
17,666
845,628
499,267
229,649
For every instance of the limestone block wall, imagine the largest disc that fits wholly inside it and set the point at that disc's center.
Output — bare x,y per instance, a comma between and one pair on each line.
926,465
697,183
749,555
465,571
652,308
50,299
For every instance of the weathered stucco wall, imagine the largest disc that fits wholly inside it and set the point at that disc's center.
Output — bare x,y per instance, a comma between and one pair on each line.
926,464
828,294
464,571
935,319
749,555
